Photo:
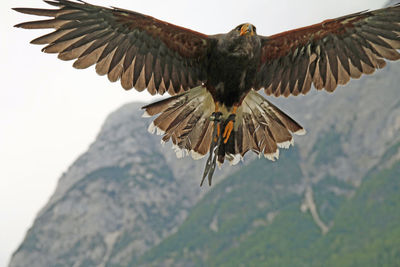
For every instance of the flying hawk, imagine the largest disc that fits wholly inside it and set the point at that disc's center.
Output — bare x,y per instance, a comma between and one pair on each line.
213,79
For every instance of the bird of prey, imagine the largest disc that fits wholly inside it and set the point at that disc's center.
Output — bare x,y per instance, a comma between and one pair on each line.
213,80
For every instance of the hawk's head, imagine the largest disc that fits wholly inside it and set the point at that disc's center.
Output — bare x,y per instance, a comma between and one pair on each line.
242,41
246,29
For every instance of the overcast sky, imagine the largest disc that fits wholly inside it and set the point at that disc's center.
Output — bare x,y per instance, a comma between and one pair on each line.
50,112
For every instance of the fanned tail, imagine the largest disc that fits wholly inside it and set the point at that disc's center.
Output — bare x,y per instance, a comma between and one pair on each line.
186,120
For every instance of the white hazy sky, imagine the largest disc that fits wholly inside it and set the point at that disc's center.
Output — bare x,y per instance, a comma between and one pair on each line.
50,112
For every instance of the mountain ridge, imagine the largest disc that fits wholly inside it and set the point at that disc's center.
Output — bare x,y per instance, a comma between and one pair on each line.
114,204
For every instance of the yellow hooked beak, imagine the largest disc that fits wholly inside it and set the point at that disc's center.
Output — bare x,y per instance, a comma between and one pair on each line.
246,29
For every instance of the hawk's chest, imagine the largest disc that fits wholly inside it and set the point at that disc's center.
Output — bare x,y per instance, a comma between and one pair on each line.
231,76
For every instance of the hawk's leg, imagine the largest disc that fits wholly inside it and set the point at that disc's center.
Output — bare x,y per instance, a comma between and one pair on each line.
216,139
229,125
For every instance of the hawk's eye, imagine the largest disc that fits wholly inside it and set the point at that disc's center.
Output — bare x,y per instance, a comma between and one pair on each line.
254,29
238,28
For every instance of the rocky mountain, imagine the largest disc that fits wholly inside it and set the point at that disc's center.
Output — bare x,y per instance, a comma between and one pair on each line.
268,227
330,201
121,197
128,201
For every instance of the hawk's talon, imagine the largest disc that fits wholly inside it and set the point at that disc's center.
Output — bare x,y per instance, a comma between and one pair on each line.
228,127
211,162
228,131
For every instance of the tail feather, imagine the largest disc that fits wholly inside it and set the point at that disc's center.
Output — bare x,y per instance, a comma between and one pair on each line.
189,131
197,130
271,148
175,115
249,129
204,142
279,133
272,127
184,115
244,145
184,119
259,126
160,106
239,140
287,121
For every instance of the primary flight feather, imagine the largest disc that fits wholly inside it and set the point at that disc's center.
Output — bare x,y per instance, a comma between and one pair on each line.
212,79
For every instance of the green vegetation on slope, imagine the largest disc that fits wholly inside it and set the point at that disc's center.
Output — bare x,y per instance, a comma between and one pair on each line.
238,209
325,150
367,227
252,219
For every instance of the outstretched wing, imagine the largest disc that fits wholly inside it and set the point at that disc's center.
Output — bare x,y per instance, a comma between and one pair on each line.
329,53
140,50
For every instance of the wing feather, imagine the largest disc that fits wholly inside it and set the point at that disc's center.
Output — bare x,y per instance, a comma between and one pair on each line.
124,45
329,53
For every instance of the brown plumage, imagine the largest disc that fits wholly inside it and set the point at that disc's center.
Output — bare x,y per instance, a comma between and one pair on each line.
213,79
328,54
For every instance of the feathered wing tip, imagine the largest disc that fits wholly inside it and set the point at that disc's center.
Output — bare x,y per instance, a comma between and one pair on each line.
259,126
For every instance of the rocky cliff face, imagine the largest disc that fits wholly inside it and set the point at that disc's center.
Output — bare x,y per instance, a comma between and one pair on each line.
359,121
281,214
127,193
121,197
349,133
